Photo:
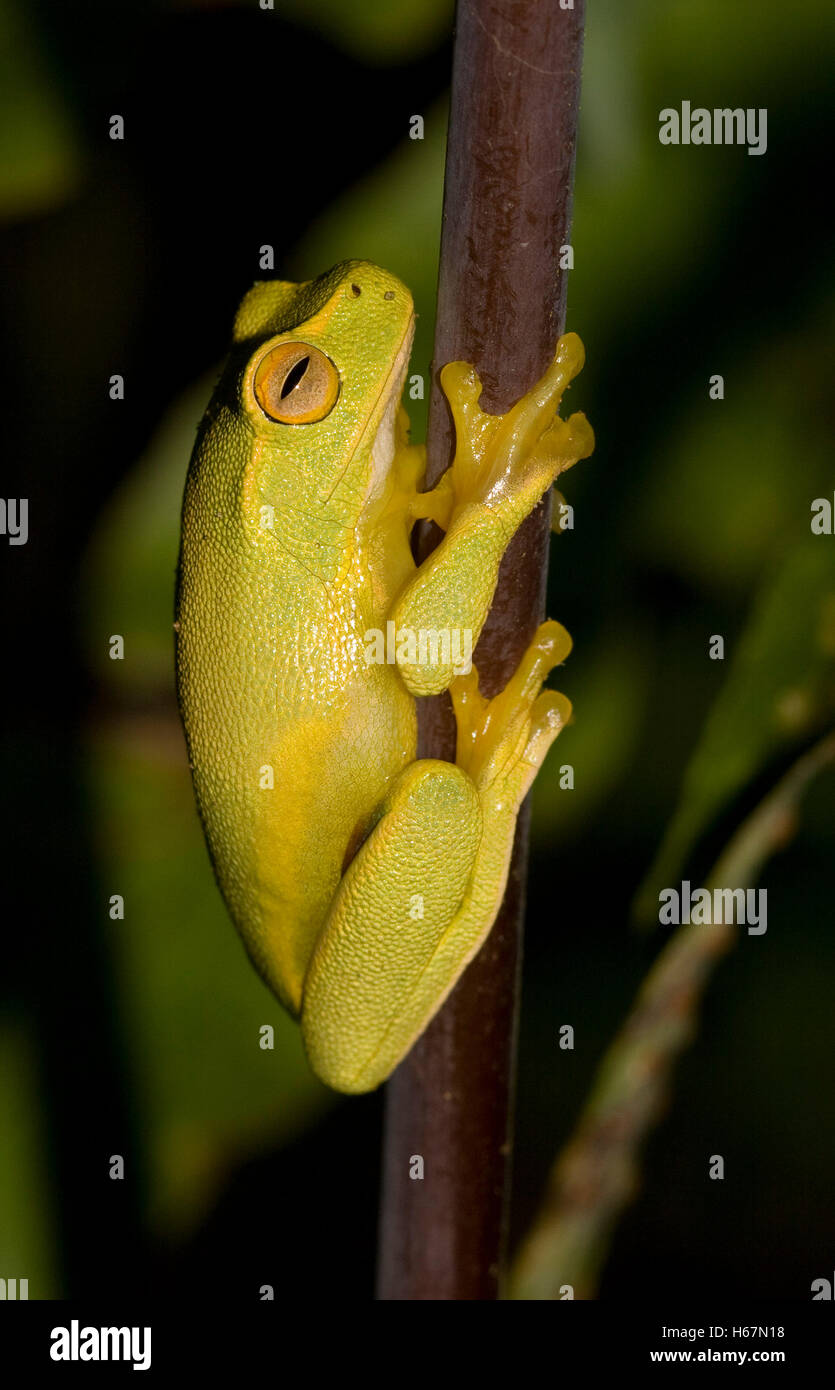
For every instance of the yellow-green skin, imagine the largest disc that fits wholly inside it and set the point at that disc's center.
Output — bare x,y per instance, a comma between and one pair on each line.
361,879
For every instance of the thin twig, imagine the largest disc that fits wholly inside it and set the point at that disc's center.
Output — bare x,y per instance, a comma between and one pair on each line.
597,1174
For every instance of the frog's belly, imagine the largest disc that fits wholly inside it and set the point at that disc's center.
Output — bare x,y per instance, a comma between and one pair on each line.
330,773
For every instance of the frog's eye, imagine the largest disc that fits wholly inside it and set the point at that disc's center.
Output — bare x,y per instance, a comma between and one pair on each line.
296,384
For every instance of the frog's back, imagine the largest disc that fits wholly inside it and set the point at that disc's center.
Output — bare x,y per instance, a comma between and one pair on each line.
293,739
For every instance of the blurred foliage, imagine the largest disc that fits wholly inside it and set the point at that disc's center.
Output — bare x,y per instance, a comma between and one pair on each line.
778,694
596,1175
26,1247
40,158
132,563
377,30
716,523
601,741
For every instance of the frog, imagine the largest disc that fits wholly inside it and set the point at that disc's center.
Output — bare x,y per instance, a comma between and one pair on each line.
362,879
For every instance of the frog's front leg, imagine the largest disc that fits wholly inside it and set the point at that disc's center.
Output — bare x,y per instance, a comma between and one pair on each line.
502,467
422,893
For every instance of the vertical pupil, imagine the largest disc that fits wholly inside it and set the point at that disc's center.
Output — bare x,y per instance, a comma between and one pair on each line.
294,376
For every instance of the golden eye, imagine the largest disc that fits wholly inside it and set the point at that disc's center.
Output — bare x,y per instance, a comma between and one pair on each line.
296,384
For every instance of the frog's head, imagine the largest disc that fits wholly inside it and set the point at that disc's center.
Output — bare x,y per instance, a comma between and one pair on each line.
318,369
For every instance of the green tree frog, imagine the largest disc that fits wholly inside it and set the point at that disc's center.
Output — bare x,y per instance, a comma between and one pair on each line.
361,878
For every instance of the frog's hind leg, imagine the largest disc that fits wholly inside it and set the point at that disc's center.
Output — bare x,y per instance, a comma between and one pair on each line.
417,902
365,1000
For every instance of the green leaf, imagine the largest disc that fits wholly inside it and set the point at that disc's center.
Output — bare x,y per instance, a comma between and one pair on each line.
779,692
41,159
375,31
27,1247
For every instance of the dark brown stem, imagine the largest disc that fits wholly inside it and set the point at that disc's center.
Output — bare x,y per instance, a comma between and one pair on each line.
501,306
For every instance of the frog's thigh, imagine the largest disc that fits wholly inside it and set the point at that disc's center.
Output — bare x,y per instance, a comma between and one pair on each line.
367,995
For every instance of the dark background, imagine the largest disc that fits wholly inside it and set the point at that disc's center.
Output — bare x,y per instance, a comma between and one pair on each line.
139,1037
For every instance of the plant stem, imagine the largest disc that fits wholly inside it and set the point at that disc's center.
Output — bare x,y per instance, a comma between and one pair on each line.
596,1175
501,306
